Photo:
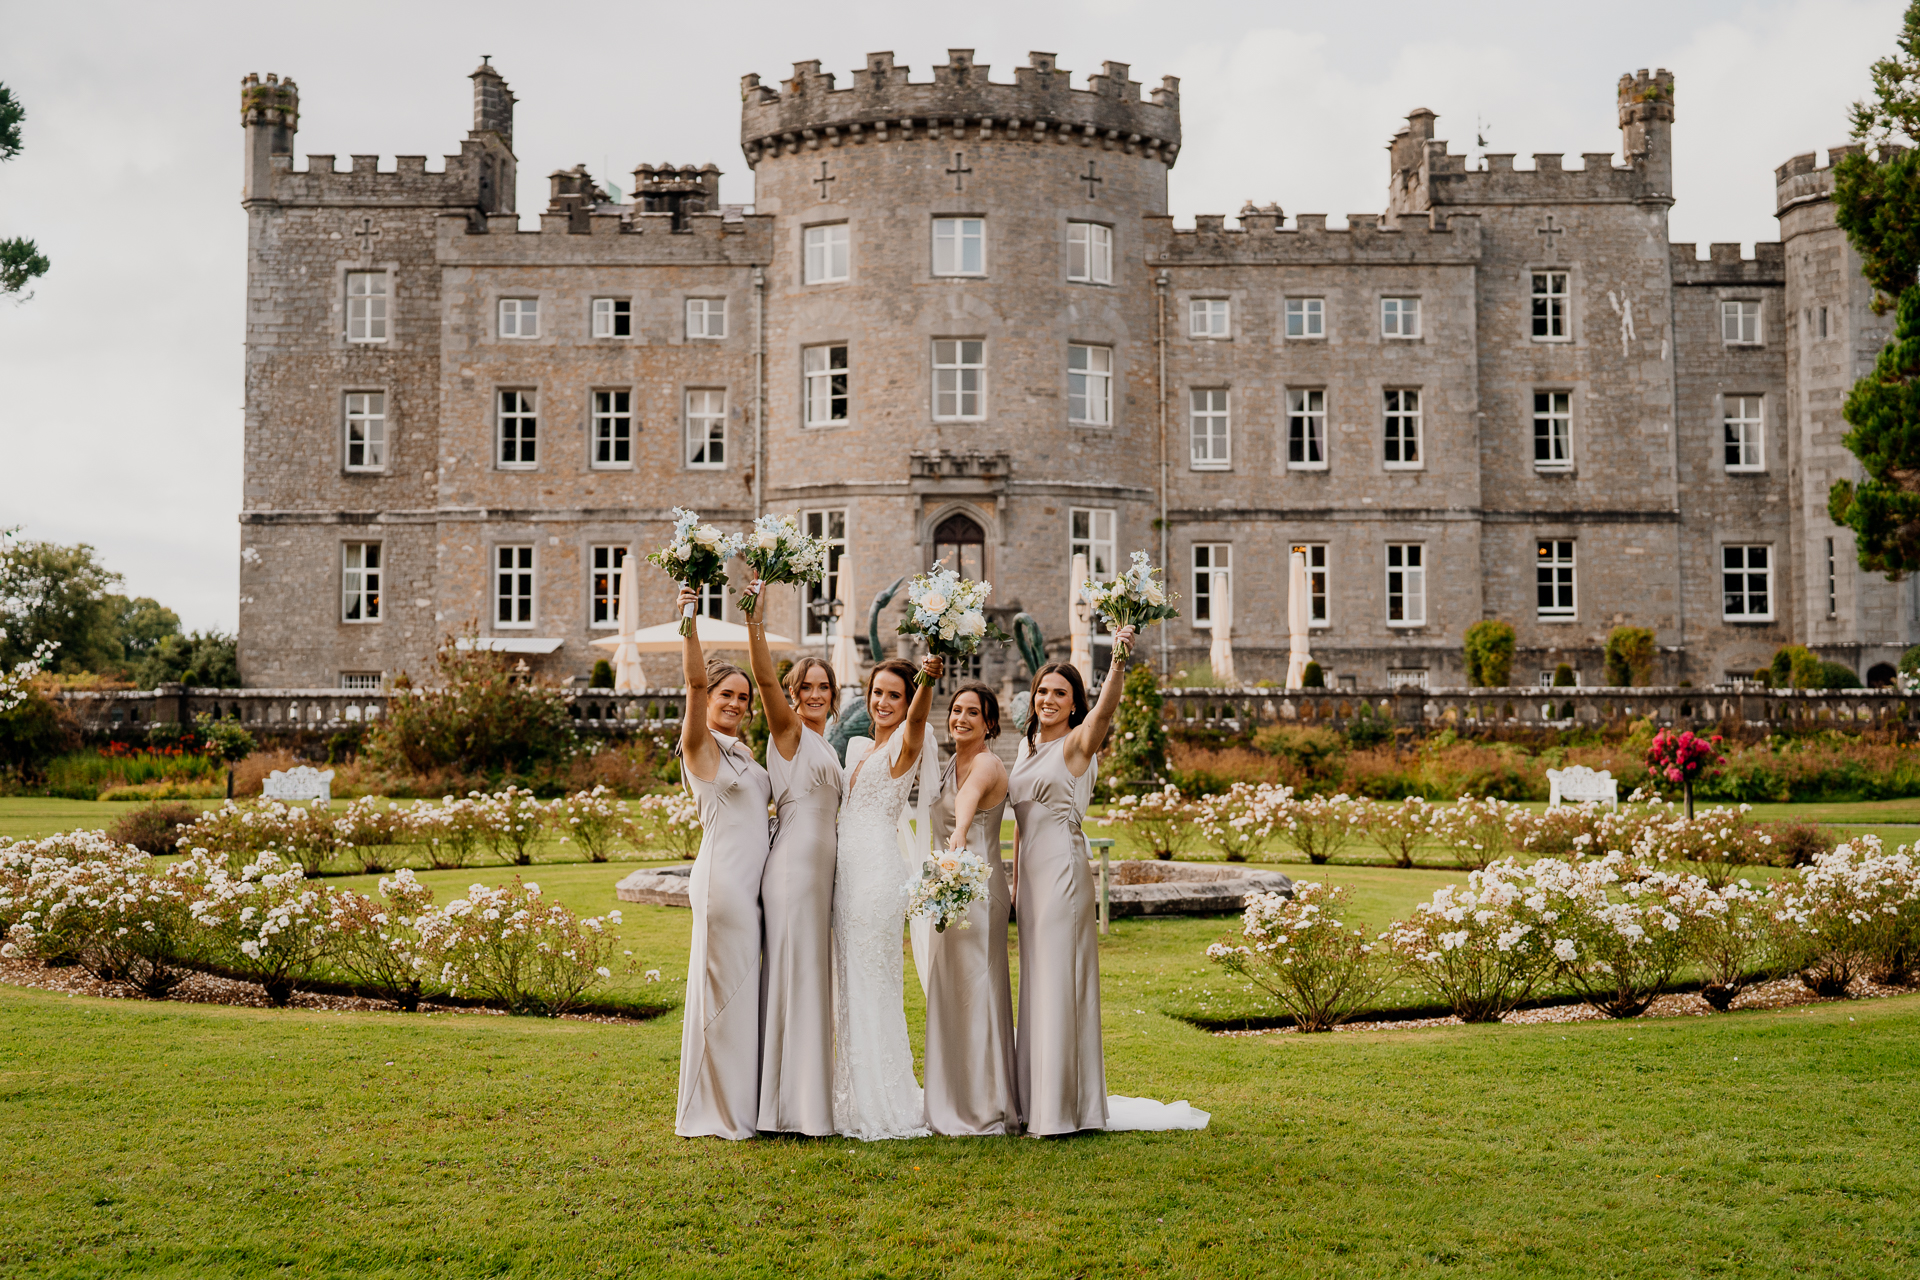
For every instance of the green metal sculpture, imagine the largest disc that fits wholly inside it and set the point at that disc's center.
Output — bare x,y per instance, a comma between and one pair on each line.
1031,641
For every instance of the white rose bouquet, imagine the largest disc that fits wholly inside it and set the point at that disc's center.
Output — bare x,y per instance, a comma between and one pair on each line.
779,552
950,612
697,556
947,886
1133,599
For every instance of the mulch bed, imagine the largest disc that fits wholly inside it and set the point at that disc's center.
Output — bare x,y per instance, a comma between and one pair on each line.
1778,994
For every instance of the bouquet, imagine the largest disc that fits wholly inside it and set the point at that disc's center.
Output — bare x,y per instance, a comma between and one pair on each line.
697,556
947,886
779,552
1132,599
950,611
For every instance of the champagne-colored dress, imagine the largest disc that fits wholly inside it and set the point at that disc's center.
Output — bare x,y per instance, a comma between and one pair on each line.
796,902
720,1034
1059,1074
970,1054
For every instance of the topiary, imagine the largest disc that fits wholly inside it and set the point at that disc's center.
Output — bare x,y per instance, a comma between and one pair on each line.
1630,655
1563,677
602,677
1313,677
1838,675
1488,650
1137,749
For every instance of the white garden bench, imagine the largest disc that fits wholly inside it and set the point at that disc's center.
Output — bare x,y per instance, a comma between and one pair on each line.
1577,784
302,782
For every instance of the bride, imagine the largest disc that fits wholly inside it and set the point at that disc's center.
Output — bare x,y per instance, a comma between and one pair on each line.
875,1094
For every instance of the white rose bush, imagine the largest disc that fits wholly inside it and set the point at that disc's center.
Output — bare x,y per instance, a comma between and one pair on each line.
509,946
949,612
1855,911
1483,949
1297,949
592,821
1164,821
1620,932
1320,826
1241,821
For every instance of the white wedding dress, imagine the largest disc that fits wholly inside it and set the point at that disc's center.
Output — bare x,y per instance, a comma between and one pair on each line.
875,1093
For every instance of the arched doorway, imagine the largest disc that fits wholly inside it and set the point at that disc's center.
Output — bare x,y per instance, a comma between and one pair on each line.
961,544
1880,675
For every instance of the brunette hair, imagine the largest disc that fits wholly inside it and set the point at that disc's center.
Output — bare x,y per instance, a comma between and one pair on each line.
718,671
1071,674
989,706
798,672
899,667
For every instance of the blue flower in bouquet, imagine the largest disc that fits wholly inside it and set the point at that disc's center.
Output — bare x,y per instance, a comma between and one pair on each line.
949,612
1135,596
697,556
780,553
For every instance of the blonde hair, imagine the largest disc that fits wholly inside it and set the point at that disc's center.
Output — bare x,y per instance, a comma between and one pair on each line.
798,672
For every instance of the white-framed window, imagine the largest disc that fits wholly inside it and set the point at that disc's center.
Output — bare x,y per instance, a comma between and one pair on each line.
830,526
1209,318
959,246
1306,429
1090,533
1090,385
519,430
513,586
613,317
360,680
1306,317
713,601
1406,584
1553,578
826,255
1212,580
1317,606
367,306
1552,431
959,379
519,317
1746,582
360,582
1401,446
706,428
605,565
1399,317
1740,323
1212,444
1089,253
613,428
823,371
1550,301
1743,423
706,317
366,430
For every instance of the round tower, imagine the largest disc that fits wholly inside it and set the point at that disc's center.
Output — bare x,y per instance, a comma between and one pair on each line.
270,113
959,317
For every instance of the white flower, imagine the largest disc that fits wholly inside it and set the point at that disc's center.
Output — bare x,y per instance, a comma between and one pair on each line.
933,602
707,536
766,540
1565,952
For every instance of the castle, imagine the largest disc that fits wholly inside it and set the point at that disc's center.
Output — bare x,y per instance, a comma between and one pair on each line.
957,322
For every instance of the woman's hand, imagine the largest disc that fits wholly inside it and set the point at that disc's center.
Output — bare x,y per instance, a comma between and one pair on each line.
1122,644
934,666
686,597
751,592
957,842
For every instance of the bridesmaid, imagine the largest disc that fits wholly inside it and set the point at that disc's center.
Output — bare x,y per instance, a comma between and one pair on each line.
720,1037
1059,1075
970,1058
796,894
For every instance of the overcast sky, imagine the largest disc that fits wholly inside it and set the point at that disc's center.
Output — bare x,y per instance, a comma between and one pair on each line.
120,381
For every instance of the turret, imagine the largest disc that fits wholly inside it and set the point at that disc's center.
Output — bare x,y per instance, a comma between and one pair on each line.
1646,128
492,103
270,113
678,190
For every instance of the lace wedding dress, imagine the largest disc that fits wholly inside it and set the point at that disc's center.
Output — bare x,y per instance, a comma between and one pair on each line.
875,1094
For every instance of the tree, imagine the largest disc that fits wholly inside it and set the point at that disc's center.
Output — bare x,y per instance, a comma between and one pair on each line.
1630,655
20,259
1876,197
203,659
225,740
61,594
1137,751
1488,651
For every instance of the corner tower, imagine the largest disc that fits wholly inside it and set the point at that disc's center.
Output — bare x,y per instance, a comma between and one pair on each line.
959,314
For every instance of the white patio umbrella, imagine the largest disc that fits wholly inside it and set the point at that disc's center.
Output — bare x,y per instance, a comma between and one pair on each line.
627,674
846,659
714,634
1299,605
1080,621
1220,652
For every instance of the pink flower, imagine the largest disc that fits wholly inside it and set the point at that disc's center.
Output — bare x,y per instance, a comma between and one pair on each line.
1673,775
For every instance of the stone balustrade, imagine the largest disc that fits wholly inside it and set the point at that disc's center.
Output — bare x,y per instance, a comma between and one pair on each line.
272,711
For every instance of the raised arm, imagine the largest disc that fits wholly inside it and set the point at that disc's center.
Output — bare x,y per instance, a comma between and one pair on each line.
915,728
698,751
1084,742
783,725
988,778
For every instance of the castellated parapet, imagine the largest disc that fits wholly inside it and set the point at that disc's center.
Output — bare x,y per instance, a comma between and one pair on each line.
1260,238
1725,265
1803,180
882,104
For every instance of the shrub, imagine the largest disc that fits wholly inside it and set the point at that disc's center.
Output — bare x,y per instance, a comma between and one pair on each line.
1837,675
602,677
1304,956
484,714
1477,832
1563,676
1319,827
594,820
1480,950
1313,752
155,829
1629,656
266,922
1735,943
1240,822
1312,677
1399,827
223,740
449,832
1618,934
301,833
1855,910
1368,728
1796,844
1163,821
367,827
513,822
379,943
35,728
509,946
668,822
1137,749
1488,650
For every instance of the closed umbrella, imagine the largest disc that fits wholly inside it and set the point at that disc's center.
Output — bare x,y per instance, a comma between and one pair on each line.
1080,622
845,661
1220,653
714,634
1299,605
627,674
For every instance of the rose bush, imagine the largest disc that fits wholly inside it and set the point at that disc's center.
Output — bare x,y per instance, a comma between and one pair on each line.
1299,951
1481,950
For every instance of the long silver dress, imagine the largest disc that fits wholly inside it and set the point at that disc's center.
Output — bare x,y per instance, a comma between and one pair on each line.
970,1055
796,902
1060,1077
720,1035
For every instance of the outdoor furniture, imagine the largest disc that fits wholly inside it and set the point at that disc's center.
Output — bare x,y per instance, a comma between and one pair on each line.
1577,784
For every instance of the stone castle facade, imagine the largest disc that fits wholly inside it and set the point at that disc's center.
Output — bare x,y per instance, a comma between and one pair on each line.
958,322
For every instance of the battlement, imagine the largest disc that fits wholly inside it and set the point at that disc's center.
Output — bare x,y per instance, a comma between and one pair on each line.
1724,265
456,183
882,104
1803,180
1262,238
607,235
